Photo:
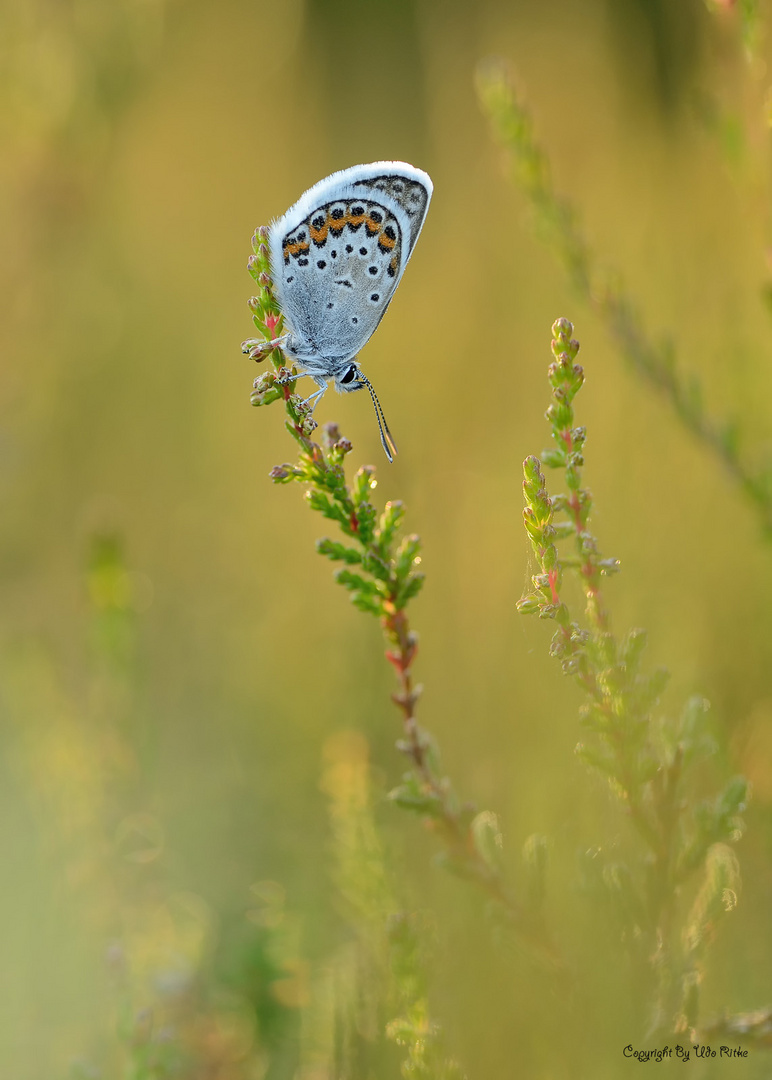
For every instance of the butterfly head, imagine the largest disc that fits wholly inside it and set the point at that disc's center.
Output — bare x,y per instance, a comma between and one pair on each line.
350,378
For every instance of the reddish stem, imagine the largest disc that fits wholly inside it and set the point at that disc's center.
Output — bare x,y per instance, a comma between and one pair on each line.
458,835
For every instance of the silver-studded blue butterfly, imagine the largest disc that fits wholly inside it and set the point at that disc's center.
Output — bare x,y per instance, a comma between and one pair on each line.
337,257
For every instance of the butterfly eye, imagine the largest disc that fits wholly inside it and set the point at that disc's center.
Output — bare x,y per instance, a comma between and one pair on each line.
349,376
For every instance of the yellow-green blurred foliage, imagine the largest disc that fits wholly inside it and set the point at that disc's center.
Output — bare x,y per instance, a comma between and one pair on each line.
174,656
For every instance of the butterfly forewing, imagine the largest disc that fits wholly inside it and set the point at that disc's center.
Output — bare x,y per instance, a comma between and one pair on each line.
337,257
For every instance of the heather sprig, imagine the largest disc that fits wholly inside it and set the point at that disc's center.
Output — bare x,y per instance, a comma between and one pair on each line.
647,758
559,222
379,567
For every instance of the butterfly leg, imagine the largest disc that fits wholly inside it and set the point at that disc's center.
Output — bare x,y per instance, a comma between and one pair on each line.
290,376
312,399
317,394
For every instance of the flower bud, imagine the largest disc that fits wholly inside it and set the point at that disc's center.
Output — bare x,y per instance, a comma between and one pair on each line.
308,425
562,328
264,382
330,434
532,470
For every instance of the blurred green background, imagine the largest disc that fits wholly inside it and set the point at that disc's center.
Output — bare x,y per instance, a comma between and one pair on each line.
173,655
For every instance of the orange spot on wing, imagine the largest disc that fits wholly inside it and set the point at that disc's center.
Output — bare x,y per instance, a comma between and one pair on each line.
295,249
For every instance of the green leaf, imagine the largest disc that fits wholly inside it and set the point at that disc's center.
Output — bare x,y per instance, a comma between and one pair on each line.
376,566
409,590
332,549
365,513
535,861
592,716
321,502
733,799
716,898
355,582
390,520
554,458
407,552
411,794
632,649
362,484
649,689
597,758
696,739
367,602
488,839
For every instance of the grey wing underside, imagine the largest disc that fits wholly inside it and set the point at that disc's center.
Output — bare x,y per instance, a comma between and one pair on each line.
338,255
338,313
339,270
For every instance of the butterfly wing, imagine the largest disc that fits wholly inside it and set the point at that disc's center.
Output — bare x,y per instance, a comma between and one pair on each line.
408,187
338,254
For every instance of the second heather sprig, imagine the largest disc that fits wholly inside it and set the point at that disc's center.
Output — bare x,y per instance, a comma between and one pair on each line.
646,758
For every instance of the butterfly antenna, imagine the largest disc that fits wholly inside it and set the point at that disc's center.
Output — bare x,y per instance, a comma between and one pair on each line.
387,442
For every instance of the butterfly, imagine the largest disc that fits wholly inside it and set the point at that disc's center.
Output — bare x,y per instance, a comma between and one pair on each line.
336,259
